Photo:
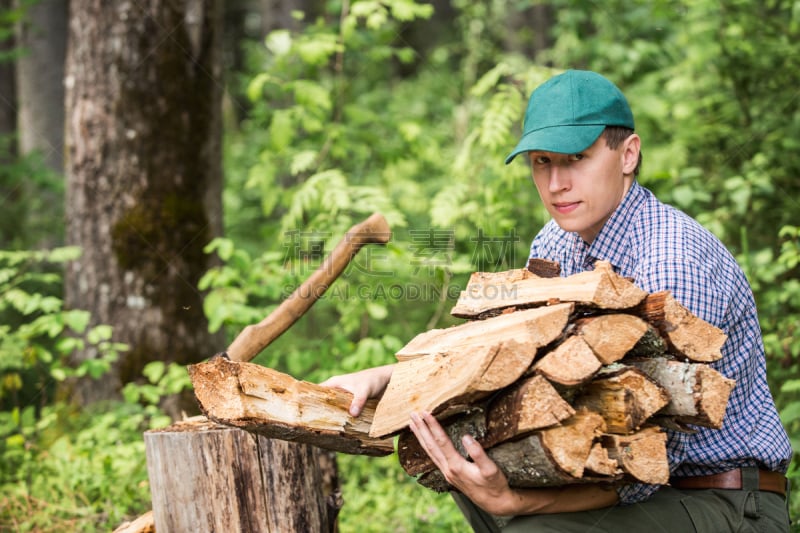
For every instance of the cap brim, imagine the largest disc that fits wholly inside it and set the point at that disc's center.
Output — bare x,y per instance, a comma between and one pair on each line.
558,139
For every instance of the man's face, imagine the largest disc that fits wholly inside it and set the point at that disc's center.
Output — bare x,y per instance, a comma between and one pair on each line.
581,191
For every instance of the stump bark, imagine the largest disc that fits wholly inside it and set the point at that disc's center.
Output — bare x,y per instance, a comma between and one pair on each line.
205,477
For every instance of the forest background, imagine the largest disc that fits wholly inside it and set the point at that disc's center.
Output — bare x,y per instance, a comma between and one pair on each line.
305,117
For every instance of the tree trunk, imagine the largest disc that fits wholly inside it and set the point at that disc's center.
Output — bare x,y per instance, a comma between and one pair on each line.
207,478
8,94
42,38
143,176
10,190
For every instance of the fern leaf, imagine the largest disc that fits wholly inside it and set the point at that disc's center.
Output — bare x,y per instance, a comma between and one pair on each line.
503,111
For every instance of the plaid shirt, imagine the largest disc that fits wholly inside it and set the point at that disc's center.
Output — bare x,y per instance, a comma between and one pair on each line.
662,248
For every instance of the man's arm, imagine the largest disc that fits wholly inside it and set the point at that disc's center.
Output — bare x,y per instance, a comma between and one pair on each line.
487,487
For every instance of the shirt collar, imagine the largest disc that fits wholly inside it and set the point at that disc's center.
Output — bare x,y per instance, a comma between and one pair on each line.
612,243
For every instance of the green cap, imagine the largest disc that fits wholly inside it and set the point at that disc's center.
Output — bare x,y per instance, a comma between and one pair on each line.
567,113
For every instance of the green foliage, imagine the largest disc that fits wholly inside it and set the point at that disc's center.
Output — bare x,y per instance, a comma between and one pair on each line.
74,471
381,488
31,197
38,335
63,469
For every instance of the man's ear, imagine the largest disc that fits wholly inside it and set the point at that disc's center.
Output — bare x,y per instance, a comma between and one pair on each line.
630,153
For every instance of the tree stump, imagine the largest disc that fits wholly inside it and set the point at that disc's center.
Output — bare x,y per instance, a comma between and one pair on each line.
206,477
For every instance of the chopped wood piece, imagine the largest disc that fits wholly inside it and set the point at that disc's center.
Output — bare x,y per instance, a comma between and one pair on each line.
537,327
570,443
687,335
504,276
544,268
518,410
433,383
413,458
573,362
614,335
600,464
699,394
273,404
626,397
532,404
642,455
601,288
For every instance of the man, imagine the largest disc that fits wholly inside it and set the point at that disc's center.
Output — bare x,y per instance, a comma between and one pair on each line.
584,157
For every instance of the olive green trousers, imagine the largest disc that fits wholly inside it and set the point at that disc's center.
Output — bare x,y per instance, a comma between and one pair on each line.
668,511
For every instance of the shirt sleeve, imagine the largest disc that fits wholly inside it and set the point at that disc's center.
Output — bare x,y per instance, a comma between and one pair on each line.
635,492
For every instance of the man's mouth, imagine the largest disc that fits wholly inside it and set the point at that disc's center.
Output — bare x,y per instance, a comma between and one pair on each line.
565,207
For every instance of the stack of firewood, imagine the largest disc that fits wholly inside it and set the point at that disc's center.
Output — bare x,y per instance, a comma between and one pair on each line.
562,380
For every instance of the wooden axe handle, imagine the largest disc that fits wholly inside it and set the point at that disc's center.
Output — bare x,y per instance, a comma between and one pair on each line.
254,338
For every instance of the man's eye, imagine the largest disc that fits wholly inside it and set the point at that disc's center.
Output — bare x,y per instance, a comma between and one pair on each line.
540,160
575,157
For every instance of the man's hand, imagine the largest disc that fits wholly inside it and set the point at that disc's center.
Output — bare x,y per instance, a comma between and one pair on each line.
363,385
480,480
486,486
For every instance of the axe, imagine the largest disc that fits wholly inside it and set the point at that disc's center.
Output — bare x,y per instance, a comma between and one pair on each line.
254,338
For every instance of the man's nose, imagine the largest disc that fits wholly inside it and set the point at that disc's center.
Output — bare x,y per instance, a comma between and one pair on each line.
559,178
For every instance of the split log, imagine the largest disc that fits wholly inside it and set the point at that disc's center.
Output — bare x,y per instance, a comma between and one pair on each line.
544,268
208,477
698,393
600,464
641,455
613,336
532,404
599,288
570,443
275,405
571,363
687,335
519,410
626,397
443,384
537,327
465,363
